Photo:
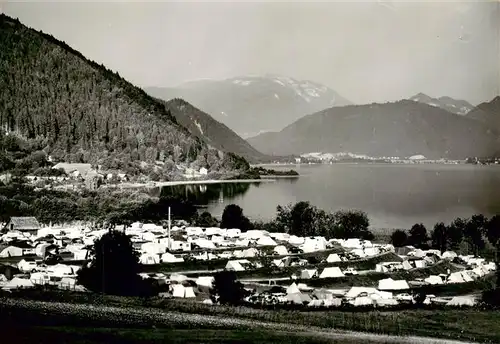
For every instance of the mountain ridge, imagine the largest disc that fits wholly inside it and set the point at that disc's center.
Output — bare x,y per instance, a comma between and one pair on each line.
456,106
404,128
252,104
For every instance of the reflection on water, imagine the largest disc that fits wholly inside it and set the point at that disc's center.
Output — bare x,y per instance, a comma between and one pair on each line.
393,196
205,194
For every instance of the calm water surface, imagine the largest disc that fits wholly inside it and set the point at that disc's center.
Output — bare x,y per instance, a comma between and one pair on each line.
393,196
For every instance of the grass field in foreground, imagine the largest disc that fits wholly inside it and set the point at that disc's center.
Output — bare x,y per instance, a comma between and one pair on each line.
79,335
462,324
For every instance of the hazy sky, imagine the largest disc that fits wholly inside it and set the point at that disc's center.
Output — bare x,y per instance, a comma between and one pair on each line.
368,52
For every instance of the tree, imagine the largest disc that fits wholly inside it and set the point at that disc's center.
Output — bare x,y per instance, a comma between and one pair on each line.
474,229
493,234
206,219
440,237
226,289
352,224
302,219
418,236
456,233
399,238
233,217
114,268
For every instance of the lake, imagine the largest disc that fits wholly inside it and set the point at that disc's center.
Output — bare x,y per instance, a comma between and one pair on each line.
393,195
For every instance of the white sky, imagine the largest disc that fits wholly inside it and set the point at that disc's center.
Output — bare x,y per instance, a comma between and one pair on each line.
366,51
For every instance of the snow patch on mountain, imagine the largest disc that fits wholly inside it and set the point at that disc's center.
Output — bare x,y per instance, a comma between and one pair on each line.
276,96
242,82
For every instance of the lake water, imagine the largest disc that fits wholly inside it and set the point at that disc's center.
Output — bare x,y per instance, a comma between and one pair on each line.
393,195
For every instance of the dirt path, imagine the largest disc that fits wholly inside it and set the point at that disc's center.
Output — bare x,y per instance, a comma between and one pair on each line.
129,317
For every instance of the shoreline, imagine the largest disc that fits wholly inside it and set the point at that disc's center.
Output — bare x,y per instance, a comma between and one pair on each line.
189,182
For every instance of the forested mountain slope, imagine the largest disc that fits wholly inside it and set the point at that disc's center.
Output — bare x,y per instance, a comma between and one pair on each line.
212,132
79,111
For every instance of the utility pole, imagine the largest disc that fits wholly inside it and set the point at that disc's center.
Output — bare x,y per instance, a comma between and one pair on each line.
169,225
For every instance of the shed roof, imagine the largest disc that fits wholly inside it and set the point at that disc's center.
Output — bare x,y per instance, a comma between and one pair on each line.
25,223
69,167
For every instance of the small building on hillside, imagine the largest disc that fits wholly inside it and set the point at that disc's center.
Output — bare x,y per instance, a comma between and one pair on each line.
203,171
23,224
75,171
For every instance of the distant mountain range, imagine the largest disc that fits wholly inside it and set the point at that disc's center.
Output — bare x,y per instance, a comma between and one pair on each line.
250,105
212,132
79,111
404,128
459,107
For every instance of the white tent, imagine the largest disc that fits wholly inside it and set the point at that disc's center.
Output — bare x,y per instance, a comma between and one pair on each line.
355,291
204,243
362,301
233,233
153,248
178,290
450,255
250,252
316,303
360,252
295,240
462,301
280,263
456,277
334,302
11,251
266,241
207,302
170,258
60,270
189,292
80,254
407,265
280,250
308,273
298,298
352,243
333,258
149,259
234,265
205,281
371,251
433,279
293,289
386,302
417,253
466,277
178,277
331,272
390,284
17,282
254,234
314,244
420,263
214,231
